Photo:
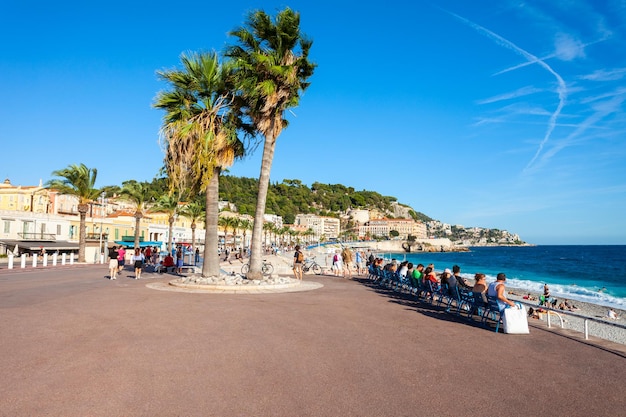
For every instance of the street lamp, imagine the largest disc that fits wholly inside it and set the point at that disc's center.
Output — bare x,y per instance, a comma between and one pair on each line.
102,201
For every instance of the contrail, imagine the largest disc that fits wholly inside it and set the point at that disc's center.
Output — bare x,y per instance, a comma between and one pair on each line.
561,89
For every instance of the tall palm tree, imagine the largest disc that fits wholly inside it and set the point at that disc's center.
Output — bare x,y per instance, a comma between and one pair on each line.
200,136
168,204
141,195
77,181
272,68
194,212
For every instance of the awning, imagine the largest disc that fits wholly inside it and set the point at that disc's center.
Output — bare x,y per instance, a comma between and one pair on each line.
34,245
141,244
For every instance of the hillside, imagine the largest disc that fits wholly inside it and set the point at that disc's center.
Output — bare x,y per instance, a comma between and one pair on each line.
292,197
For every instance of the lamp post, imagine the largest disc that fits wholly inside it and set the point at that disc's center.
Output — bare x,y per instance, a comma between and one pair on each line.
101,220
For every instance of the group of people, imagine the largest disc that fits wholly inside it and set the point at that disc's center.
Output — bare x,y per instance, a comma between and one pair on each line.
345,262
448,280
141,257
117,260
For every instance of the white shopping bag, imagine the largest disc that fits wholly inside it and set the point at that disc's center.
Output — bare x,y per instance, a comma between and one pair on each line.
515,320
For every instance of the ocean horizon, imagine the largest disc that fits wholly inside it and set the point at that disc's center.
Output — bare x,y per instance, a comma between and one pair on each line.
588,273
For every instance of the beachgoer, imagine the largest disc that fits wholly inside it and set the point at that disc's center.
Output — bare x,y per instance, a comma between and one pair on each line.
418,274
546,295
137,260
404,268
462,282
409,271
611,314
113,262
452,284
179,262
167,262
338,263
480,287
444,277
298,260
430,275
148,255
121,258
497,289
346,255
358,260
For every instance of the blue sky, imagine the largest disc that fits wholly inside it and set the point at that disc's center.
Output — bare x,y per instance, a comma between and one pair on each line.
493,113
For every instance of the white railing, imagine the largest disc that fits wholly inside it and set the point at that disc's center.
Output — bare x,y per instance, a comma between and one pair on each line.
586,319
54,258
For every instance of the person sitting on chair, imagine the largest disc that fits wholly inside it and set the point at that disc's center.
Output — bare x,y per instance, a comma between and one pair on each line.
497,289
168,262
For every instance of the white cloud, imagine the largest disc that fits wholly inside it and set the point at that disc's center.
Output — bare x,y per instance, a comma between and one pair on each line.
524,91
606,75
566,48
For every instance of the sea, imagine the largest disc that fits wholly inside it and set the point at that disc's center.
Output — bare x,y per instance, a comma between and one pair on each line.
592,274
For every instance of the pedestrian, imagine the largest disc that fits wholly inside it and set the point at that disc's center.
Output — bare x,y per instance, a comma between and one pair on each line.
137,260
148,255
113,263
298,260
197,259
179,262
121,258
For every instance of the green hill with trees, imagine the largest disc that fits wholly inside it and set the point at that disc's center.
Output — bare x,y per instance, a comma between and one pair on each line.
291,197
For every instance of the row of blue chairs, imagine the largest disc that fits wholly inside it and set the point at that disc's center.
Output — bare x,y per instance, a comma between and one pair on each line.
464,302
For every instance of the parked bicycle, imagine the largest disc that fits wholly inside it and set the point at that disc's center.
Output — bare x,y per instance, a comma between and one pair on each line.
310,264
266,269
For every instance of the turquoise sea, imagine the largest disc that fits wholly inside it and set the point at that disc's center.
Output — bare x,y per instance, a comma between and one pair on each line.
593,274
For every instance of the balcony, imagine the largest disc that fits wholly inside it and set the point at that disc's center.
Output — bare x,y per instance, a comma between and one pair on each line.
96,236
41,237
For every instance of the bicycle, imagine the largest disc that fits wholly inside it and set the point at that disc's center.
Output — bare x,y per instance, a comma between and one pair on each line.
266,269
310,264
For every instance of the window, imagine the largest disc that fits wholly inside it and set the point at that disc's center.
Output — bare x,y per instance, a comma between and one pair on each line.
7,226
58,230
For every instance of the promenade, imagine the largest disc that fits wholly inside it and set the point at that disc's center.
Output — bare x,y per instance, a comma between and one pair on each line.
76,344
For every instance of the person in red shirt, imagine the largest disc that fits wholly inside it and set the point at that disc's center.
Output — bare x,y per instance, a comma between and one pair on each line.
148,255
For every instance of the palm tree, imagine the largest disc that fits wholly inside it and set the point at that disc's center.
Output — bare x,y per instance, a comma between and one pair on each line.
245,225
194,212
200,136
141,195
167,204
77,181
272,67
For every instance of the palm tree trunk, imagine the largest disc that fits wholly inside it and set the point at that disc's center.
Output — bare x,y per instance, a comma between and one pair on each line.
211,265
256,254
82,231
170,232
138,217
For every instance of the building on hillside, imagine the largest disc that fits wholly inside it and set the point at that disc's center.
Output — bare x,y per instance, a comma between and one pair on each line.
383,227
327,227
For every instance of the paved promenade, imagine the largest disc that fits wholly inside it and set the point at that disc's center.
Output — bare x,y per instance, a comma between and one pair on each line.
76,344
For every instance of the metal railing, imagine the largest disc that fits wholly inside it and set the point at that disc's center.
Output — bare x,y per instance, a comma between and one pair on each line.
586,319
37,236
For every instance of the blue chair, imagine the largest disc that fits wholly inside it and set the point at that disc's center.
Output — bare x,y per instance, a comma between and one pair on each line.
493,311
479,305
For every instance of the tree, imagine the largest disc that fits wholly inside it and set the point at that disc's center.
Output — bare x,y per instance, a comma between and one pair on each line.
167,204
200,135
141,195
271,70
194,212
245,225
77,181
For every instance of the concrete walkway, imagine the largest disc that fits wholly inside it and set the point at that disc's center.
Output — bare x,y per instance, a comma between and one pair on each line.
76,344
